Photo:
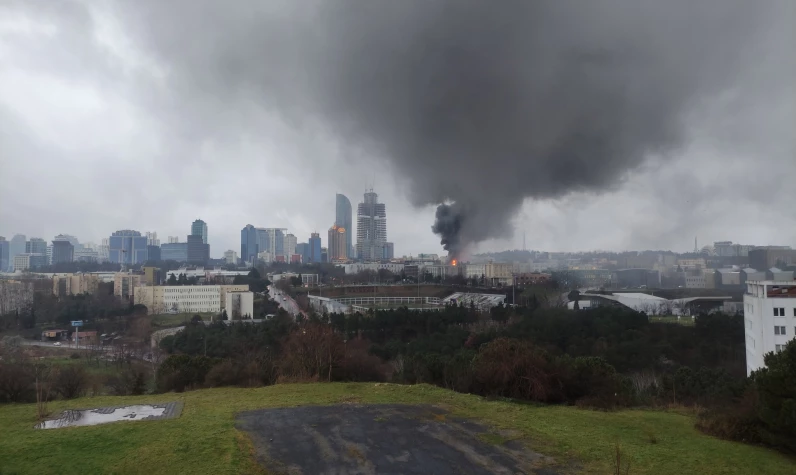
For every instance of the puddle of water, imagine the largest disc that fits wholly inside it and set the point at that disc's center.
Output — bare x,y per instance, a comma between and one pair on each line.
91,417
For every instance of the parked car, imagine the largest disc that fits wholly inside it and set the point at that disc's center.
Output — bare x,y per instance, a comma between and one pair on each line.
57,343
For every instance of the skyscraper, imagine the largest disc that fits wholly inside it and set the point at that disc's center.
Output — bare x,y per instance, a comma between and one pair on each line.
198,251
63,250
343,218
16,246
315,248
337,244
4,247
289,246
371,228
199,228
248,243
271,240
127,247
37,248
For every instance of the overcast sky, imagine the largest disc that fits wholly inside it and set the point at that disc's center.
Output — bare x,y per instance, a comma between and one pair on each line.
111,117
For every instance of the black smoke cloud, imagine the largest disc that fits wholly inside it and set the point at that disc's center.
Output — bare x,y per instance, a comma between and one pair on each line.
475,103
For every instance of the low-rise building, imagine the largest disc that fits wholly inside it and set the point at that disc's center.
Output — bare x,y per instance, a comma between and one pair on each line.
306,279
769,319
74,284
498,273
372,266
531,278
185,298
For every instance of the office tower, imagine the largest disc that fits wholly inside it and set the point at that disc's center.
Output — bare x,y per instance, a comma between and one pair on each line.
153,252
248,243
315,248
289,246
303,249
198,251
127,247
174,239
271,240
343,218
372,229
174,251
104,250
231,257
4,246
152,239
16,246
337,244
37,248
62,250
199,228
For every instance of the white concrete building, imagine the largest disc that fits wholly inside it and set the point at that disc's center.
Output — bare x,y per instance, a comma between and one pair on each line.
21,262
373,266
186,298
231,257
769,319
239,305
289,246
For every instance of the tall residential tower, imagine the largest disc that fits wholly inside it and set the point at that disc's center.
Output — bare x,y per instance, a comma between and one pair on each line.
372,229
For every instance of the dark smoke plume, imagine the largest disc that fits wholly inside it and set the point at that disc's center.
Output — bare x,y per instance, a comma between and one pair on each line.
477,103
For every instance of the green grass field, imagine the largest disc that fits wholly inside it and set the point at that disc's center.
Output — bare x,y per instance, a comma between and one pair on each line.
203,440
166,320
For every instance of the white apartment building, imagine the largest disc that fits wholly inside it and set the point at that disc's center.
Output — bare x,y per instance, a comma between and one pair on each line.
289,246
186,298
356,268
231,257
239,305
769,319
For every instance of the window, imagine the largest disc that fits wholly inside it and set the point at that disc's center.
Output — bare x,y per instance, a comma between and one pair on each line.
779,312
779,330
779,348
794,312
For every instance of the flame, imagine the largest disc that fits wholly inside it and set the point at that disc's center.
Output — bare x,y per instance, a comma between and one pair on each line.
453,262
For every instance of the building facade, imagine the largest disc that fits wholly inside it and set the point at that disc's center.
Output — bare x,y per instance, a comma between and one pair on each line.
75,284
16,246
63,250
124,285
343,218
185,298
199,228
337,244
248,243
372,229
231,257
127,247
315,248
769,319
198,251
174,251
37,249
772,256
289,246
239,305
4,248
21,262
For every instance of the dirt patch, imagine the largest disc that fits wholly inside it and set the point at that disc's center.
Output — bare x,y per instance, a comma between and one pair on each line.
383,439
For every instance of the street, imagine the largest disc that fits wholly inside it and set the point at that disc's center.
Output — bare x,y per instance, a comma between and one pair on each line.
285,301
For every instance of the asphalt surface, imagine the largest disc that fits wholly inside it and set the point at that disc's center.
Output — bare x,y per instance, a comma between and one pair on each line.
382,439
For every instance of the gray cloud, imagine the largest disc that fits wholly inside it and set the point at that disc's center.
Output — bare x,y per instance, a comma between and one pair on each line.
479,105
474,103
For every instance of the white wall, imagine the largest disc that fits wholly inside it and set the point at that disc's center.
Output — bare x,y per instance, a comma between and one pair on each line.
759,323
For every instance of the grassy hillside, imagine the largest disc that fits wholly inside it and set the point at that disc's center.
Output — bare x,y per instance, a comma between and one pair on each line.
204,439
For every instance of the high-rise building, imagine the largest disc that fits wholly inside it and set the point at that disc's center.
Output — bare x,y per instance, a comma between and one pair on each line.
152,239
16,246
4,246
303,249
343,218
315,248
37,248
199,228
104,250
174,239
198,251
231,257
153,253
174,251
248,243
127,247
62,250
337,244
271,240
289,246
372,229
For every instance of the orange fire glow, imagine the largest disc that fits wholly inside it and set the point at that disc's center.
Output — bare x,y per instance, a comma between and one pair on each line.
453,262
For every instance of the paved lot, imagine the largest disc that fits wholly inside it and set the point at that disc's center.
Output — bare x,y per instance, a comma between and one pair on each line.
382,439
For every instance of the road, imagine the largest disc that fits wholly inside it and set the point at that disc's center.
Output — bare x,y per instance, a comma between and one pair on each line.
285,301
63,344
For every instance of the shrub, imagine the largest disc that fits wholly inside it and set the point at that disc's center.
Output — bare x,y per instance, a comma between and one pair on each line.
17,382
70,381
130,382
311,352
359,365
75,356
516,369
181,372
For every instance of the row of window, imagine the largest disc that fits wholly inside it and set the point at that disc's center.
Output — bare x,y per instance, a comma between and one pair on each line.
780,330
780,312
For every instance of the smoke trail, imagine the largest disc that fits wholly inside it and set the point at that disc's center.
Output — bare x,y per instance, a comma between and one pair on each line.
476,103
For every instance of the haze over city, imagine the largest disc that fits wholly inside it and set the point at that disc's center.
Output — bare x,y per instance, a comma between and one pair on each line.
108,122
